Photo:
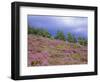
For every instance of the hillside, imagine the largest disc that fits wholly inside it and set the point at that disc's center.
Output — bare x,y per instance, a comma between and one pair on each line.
44,51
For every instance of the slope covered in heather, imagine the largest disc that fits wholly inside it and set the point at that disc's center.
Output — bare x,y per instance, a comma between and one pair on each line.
44,51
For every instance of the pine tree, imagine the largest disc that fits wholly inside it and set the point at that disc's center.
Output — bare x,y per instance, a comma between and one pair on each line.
60,36
71,38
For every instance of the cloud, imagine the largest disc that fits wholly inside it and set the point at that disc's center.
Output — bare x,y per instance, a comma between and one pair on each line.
73,22
66,24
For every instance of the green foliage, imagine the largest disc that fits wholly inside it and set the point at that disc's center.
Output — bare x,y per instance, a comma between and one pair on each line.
32,31
44,33
71,38
82,41
60,36
39,31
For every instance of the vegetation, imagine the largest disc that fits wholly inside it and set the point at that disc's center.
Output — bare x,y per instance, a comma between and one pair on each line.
71,38
59,35
39,31
76,56
82,41
45,52
35,62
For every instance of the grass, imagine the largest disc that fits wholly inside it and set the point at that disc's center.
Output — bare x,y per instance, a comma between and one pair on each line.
76,56
75,46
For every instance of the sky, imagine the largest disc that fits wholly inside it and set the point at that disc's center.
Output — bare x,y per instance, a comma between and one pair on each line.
78,26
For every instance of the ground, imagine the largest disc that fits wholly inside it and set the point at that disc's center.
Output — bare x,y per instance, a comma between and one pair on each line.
44,51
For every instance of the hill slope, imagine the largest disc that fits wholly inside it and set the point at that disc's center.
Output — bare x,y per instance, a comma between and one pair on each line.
44,52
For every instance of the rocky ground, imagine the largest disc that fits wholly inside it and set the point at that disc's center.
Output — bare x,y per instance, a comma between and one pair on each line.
45,52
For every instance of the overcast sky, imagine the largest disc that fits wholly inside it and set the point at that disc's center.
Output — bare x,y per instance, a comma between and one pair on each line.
78,26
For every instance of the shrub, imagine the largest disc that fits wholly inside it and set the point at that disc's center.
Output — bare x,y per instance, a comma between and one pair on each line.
76,56
71,38
82,41
39,31
35,62
60,36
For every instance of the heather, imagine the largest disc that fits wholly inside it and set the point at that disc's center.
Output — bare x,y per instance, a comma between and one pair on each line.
44,51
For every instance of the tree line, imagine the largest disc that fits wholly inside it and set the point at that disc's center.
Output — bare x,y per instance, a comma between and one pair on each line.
59,35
